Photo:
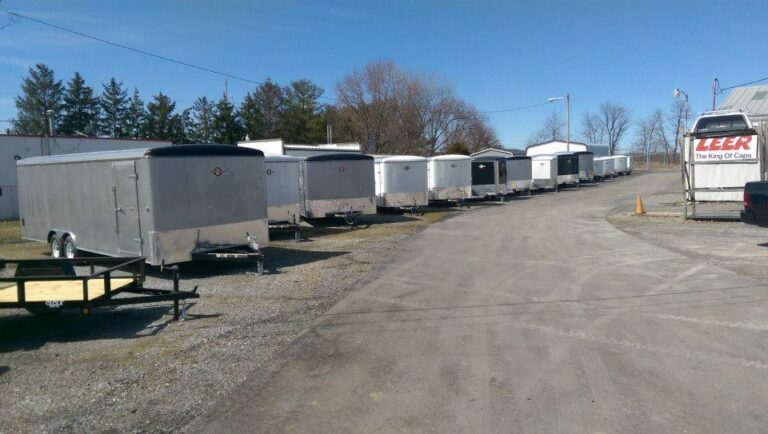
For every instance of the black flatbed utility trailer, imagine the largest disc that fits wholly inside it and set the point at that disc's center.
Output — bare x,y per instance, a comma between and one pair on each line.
51,285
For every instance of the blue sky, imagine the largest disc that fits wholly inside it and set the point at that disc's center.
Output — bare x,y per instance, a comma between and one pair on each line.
496,54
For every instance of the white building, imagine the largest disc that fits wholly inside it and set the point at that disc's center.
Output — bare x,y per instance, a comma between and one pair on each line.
277,147
14,148
555,146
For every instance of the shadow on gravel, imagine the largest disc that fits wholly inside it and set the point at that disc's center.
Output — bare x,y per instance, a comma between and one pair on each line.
27,332
4,369
279,257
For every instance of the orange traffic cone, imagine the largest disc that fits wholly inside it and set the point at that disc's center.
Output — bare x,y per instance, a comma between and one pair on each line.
639,208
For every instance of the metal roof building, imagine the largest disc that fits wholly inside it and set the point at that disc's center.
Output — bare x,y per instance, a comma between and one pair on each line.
752,100
560,146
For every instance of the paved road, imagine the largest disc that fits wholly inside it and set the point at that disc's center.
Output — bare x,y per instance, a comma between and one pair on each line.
535,316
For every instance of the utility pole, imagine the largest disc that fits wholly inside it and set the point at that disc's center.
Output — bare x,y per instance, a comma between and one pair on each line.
715,90
51,131
568,122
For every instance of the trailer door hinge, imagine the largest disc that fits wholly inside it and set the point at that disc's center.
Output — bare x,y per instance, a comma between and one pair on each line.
138,240
134,176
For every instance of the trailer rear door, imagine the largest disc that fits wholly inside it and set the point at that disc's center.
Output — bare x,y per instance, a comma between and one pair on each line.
126,196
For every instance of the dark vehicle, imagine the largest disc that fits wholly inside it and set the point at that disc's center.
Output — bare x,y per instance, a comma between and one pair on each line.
755,203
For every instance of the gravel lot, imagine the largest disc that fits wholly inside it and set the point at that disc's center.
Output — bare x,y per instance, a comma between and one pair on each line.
132,369
735,246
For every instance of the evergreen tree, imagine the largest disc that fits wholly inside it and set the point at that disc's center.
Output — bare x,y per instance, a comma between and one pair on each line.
81,108
226,124
201,121
262,111
114,108
134,117
303,121
161,122
40,92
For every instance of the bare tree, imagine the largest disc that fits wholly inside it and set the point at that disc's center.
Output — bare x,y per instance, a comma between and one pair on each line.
615,120
395,111
646,135
677,120
551,130
592,130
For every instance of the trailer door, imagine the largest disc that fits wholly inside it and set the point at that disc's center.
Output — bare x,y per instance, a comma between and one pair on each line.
126,200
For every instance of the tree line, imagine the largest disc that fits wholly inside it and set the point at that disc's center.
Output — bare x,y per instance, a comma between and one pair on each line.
386,109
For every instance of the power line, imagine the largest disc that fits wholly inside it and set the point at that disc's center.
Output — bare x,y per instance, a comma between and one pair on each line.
743,84
140,51
517,108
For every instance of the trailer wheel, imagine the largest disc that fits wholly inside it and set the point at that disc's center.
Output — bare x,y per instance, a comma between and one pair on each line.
70,249
56,246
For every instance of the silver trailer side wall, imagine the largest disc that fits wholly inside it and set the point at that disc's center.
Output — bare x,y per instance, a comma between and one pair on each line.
586,167
519,176
338,186
401,183
13,148
449,179
161,207
283,191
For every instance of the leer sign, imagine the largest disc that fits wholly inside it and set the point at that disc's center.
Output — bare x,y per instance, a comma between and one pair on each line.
730,148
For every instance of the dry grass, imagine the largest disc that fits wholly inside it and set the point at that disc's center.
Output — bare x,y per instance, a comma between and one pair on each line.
13,247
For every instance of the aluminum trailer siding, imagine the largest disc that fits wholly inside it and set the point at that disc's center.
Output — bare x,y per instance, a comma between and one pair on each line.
449,178
519,176
401,182
620,164
283,188
489,176
586,166
166,203
599,168
338,184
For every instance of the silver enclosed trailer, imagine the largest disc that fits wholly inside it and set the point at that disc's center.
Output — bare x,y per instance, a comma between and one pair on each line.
519,175
608,166
169,204
489,176
629,165
449,178
599,168
401,181
338,185
283,189
586,166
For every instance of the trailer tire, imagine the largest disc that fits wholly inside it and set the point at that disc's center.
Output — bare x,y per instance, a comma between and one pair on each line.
56,246
70,248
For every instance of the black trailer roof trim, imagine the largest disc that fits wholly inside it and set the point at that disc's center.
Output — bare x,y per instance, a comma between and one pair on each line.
339,156
201,151
519,157
489,158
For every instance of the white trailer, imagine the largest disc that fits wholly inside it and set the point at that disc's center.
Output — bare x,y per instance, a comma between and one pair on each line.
619,164
723,151
283,189
519,174
609,168
544,172
169,204
489,176
338,185
401,182
449,178
629,165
